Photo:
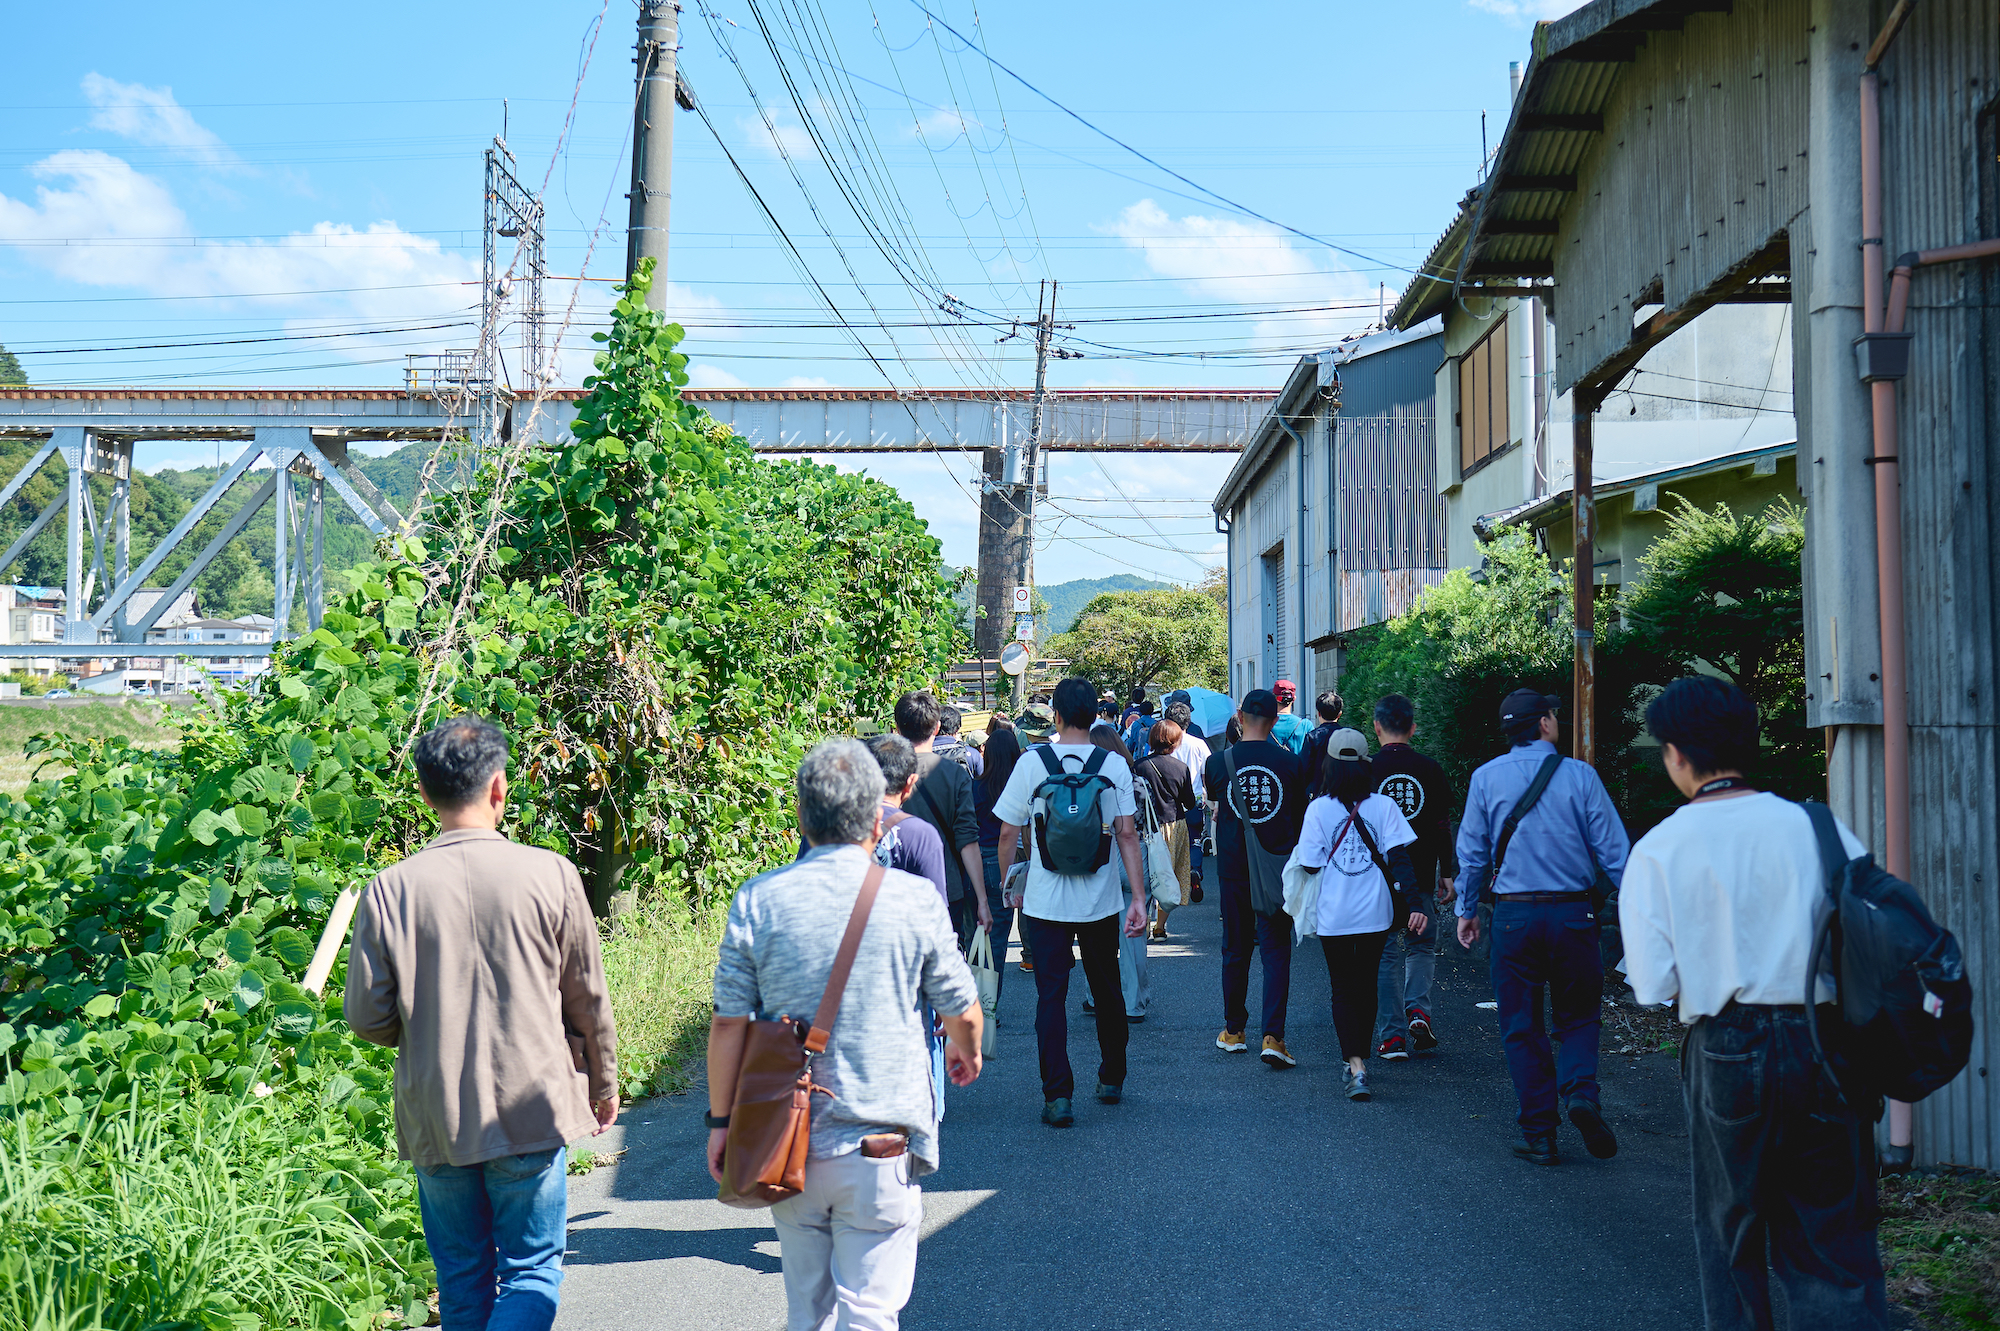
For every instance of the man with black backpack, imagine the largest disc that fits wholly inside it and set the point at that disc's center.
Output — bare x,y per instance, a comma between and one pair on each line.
1077,800
1541,834
1720,908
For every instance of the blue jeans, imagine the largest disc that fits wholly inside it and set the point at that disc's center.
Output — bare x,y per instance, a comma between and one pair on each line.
1784,1177
1243,929
1548,946
1403,983
496,1231
1003,918
1194,817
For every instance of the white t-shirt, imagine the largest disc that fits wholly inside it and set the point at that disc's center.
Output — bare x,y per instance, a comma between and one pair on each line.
1054,896
1194,751
1354,898
1720,902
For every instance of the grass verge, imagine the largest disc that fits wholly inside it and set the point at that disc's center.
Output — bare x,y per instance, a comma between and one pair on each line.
147,725
1941,1244
659,960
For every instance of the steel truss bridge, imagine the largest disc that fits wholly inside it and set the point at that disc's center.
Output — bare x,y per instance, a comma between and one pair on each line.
301,437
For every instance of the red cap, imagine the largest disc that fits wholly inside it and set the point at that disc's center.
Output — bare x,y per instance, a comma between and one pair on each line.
1284,689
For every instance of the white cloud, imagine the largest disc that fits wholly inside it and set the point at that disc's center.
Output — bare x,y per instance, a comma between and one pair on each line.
152,117
704,375
806,381
1247,263
939,128
788,138
1526,11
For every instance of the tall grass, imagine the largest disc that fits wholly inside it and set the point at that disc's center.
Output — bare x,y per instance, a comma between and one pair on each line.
659,960
201,1212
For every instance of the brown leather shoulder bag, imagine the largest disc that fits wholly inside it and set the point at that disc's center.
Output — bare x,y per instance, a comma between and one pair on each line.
770,1125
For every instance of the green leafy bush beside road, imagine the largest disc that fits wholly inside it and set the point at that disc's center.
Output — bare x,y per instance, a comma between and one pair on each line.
663,623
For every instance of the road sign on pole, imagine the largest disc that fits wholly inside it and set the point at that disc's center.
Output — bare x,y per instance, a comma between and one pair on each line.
1022,604
1024,630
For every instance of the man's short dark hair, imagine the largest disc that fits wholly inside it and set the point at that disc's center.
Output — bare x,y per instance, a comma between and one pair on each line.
897,758
1396,714
1137,695
1076,702
949,719
1329,705
917,716
1711,721
1180,714
456,758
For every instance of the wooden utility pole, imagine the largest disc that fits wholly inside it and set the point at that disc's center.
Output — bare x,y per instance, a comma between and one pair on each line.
1010,487
1583,730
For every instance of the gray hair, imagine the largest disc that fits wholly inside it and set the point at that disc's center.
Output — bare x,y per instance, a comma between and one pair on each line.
840,792
456,758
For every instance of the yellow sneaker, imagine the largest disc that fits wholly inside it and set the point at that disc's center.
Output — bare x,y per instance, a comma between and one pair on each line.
1231,1042
1276,1055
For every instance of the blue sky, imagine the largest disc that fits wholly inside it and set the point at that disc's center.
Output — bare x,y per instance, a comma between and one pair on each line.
299,189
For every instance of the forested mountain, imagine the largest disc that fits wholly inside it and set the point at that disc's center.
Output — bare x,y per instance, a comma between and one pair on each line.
1066,600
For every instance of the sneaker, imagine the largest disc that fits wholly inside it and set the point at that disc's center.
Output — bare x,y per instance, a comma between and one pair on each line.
1276,1055
1231,1042
1537,1150
1028,966
1393,1047
1158,930
1107,1094
1896,1160
1421,1038
1194,889
1057,1113
1588,1119
1355,1085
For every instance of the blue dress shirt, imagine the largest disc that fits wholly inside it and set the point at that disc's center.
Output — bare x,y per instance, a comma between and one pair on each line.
1571,830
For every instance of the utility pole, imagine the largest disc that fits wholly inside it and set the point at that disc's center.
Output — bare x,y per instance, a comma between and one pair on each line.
653,143
1009,489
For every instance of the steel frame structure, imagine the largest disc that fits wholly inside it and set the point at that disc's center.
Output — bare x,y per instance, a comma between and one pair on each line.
99,550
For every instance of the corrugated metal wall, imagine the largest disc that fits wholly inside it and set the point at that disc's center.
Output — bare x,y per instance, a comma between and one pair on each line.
1263,521
1698,114
1938,99
1389,516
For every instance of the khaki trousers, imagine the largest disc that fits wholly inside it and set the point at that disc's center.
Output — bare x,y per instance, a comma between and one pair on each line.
849,1243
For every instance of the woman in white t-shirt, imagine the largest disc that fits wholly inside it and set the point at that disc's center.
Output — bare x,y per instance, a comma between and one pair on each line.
1357,906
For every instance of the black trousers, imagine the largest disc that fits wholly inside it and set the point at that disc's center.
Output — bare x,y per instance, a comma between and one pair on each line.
1098,941
1784,1178
1352,963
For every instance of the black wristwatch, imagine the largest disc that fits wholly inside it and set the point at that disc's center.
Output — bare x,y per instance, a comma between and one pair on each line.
712,1121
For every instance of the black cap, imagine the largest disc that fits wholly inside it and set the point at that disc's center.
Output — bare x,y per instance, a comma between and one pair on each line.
1524,703
1260,703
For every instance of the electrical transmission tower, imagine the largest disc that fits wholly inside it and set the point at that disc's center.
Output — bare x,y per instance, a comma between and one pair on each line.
512,213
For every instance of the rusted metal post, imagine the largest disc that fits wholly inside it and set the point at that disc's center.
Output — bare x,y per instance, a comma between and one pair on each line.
1583,729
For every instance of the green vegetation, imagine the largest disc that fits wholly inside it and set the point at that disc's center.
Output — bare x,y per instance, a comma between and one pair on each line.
1064,601
659,960
1719,594
1941,1246
1124,640
662,622
11,373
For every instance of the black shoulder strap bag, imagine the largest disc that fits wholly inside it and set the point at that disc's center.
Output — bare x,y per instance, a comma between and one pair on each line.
1543,775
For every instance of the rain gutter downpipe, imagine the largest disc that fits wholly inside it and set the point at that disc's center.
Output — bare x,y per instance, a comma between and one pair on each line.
1882,356
1299,476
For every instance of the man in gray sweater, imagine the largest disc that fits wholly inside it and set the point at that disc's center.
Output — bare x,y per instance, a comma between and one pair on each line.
476,959
849,1241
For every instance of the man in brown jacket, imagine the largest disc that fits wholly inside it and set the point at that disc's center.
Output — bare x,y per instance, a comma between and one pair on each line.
477,960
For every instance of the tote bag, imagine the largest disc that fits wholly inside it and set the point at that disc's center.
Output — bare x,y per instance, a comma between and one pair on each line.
986,975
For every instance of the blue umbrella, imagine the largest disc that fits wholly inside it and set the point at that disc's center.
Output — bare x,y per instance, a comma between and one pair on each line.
1211,710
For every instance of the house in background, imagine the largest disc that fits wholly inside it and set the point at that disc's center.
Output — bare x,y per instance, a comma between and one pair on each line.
1718,386
1331,512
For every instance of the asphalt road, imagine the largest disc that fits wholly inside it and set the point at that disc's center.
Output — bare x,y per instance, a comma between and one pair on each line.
1219,1194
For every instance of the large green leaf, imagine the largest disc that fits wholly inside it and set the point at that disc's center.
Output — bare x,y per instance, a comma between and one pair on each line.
249,990
300,752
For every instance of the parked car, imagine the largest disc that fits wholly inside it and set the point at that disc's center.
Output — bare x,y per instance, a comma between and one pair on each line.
58,693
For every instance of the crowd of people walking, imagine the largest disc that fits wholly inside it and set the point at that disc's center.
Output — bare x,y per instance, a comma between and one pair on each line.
1075,825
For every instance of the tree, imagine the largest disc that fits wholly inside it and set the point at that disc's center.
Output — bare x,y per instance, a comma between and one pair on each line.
1126,640
11,373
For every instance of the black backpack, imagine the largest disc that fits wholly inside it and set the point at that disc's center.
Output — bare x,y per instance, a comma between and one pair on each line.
1905,1002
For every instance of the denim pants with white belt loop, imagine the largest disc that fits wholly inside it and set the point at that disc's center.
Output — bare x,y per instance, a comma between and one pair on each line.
496,1232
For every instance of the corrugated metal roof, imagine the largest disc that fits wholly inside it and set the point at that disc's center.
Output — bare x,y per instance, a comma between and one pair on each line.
1512,219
